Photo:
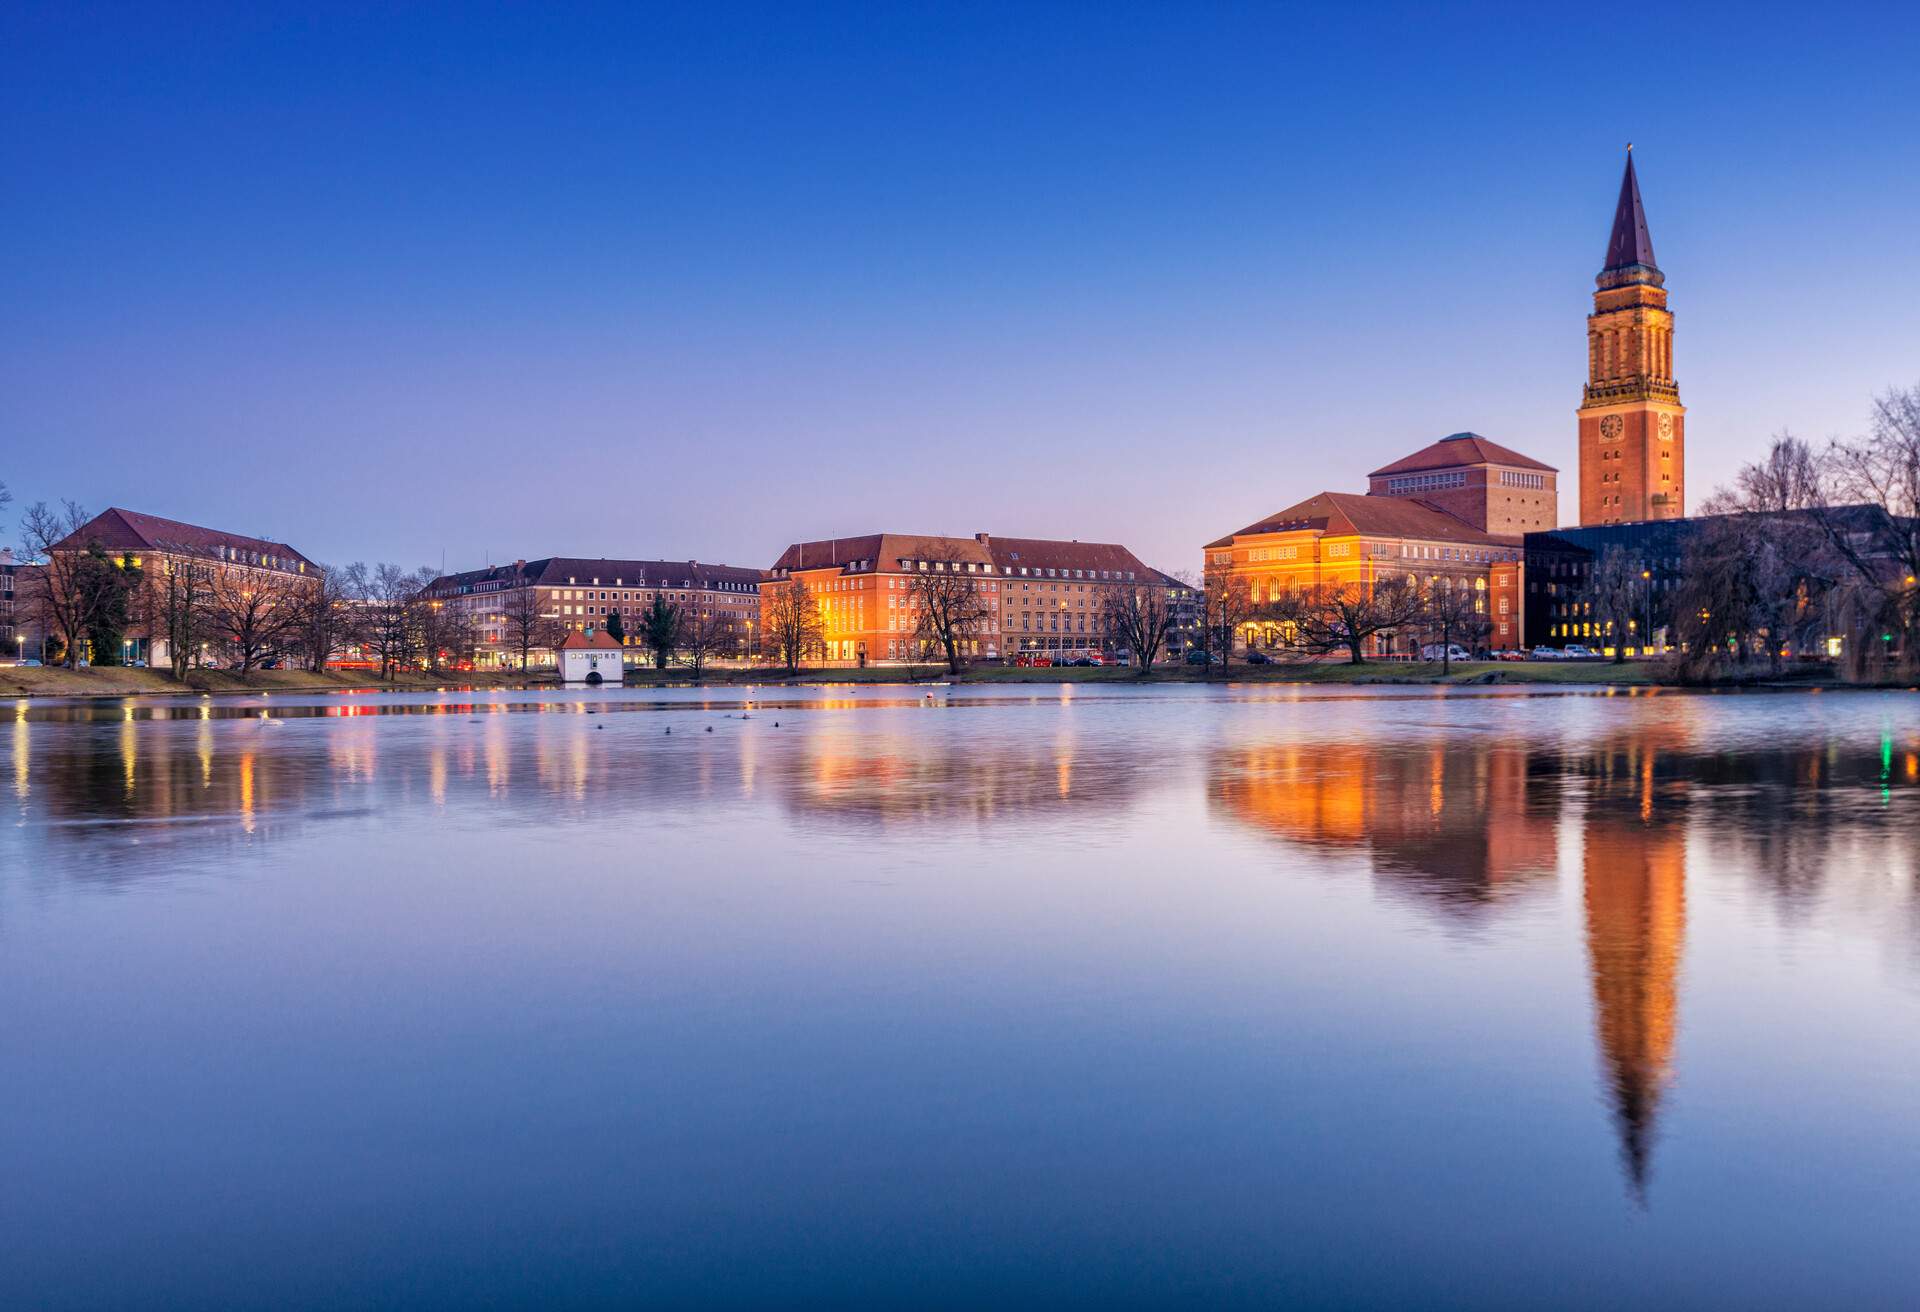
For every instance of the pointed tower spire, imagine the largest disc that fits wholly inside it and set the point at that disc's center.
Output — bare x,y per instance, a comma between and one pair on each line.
1631,243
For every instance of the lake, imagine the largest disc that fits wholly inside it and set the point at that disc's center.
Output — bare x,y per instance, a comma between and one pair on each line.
1070,996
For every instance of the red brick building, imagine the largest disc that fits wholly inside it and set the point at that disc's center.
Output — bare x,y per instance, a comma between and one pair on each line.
1633,429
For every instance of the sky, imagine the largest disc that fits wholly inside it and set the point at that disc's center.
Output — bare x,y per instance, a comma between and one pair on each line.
460,284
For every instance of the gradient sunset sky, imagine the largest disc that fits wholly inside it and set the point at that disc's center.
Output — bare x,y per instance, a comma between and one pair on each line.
405,282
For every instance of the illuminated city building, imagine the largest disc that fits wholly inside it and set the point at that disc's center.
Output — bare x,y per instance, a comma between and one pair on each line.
1633,449
1037,595
1337,539
160,548
571,594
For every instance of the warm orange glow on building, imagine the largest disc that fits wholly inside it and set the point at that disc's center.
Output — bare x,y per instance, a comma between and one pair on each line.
1632,425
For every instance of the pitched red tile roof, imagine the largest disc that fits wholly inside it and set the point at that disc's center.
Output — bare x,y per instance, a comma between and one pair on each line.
127,530
1011,555
1344,513
882,551
597,641
1461,449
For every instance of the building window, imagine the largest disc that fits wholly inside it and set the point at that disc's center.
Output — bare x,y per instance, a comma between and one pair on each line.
1427,482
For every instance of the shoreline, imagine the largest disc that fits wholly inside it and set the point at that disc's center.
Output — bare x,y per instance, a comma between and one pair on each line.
114,681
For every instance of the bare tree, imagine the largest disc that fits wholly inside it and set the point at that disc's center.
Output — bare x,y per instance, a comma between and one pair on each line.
950,605
1135,619
1882,470
326,617
1615,595
1226,602
1344,616
1789,478
253,614
706,634
1453,610
59,598
790,627
528,627
176,602
392,616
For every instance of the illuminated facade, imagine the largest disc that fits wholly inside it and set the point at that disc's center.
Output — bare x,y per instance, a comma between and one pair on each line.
577,595
1338,539
1038,595
1633,436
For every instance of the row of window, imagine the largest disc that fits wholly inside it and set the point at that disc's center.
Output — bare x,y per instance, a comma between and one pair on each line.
1427,482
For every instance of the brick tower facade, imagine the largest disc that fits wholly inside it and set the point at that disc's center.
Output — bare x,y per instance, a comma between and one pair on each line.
1632,425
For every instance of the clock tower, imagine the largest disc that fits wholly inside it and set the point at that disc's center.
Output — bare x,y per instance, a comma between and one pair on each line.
1632,425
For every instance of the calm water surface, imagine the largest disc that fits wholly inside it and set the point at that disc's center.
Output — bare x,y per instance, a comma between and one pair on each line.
1116,997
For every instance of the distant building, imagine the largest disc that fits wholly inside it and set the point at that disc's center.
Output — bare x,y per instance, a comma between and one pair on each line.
1558,571
1041,595
1184,608
1559,568
160,548
591,658
568,594
20,636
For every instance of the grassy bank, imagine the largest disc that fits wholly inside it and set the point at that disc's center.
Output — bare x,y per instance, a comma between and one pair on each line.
109,681
1467,673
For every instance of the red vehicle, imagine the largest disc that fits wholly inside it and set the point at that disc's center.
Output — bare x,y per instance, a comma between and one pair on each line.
1034,662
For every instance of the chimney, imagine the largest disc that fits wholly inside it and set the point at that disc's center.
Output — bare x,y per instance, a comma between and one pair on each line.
983,538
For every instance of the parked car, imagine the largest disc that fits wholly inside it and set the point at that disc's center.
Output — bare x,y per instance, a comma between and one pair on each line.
1510,654
1547,654
1259,658
1196,656
1575,652
1451,651
29,661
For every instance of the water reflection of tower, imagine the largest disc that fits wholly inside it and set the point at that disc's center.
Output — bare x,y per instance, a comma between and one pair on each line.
1635,866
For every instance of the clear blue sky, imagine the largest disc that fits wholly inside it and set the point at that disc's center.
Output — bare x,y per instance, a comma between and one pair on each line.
700,280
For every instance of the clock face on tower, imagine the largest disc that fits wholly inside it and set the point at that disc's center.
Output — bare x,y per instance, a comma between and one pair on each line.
1611,427
1666,428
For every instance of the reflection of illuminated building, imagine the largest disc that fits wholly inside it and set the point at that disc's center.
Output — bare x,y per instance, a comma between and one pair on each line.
1636,924
1449,823
861,770
1635,865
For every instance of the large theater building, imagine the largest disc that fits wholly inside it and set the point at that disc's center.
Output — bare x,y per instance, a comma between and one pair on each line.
1456,509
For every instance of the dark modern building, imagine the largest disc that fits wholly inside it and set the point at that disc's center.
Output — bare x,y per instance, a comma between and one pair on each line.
1559,564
